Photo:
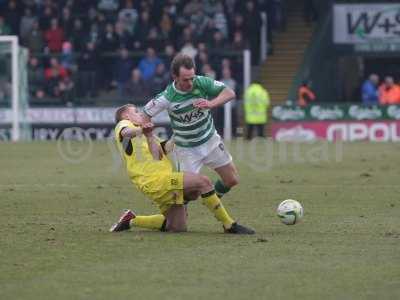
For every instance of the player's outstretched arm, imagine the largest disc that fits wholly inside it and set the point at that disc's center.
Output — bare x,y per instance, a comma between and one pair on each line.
226,95
129,133
152,143
146,118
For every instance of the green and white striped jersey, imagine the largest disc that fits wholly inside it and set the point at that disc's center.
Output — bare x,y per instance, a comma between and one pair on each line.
191,126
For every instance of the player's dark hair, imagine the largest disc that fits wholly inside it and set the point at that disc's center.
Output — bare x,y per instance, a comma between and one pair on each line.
120,110
181,60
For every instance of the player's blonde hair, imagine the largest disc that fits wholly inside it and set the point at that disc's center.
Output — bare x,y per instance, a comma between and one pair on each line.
120,110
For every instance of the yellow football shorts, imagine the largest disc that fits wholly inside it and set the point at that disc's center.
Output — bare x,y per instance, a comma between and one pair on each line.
165,190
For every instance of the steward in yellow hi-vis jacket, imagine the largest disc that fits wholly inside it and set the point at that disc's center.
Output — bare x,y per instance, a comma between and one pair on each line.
256,103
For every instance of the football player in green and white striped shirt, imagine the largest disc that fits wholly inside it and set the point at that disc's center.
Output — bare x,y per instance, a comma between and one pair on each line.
188,101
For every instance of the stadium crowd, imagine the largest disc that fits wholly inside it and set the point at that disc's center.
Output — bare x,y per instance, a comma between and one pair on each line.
373,92
80,49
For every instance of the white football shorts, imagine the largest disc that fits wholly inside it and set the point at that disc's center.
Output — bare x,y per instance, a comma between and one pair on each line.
212,154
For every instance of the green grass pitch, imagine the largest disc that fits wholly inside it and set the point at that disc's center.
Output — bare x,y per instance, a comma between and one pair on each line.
55,216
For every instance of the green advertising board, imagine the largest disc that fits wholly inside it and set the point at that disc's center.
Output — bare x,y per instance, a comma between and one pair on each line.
335,112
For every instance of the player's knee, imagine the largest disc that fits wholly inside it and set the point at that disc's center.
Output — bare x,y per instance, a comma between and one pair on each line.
232,181
192,196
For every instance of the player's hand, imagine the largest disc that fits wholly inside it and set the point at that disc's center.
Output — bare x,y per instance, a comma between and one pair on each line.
203,103
147,128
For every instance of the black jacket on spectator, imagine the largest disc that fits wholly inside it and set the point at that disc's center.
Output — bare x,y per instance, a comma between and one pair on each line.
12,17
158,83
89,60
122,70
137,92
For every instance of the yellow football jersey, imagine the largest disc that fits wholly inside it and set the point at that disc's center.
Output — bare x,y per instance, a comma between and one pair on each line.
142,168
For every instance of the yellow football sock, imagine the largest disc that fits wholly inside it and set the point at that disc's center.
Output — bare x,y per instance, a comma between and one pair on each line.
214,204
149,222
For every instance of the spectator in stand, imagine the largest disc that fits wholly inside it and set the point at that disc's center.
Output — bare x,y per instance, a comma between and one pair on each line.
238,43
189,49
91,16
227,78
211,7
122,70
146,5
208,34
192,7
252,30
88,66
128,16
26,24
67,58
12,17
221,23
109,42
389,92
218,41
136,89
36,78
369,90
78,35
237,25
171,8
148,64
142,30
159,81
4,28
154,40
34,39
79,6
110,6
66,89
54,36
46,17
201,60
166,27
201,46
66,21
199,21
208,71
186,36
169,55
123,37
101,22
53,75
94,34
230,8
235,69
305,95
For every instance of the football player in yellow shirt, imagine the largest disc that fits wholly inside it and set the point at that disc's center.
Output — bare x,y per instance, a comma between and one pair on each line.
151,172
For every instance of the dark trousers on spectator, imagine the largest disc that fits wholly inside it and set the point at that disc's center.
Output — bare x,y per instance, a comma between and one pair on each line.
68,96
260,130
87,83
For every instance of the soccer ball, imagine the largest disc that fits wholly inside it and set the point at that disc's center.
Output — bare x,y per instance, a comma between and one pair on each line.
290,212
